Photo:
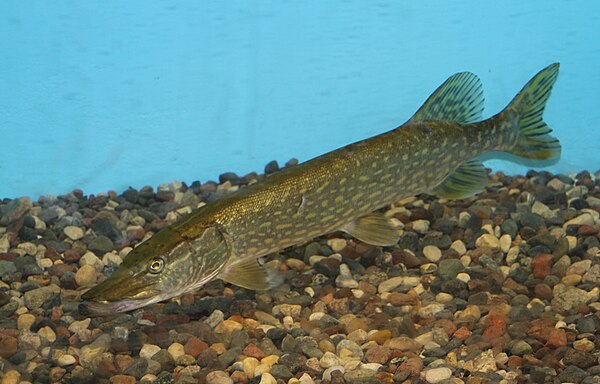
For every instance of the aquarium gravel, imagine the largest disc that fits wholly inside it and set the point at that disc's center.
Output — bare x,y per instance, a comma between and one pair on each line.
502,287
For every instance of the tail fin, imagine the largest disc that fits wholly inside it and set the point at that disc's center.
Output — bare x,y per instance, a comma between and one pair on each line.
535,141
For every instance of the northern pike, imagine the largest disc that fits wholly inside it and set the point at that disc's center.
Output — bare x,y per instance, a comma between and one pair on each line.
435,151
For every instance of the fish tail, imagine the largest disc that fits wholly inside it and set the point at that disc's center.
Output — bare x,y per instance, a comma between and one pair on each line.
534,140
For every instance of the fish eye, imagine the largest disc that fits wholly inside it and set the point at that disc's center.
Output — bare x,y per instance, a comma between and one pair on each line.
156,265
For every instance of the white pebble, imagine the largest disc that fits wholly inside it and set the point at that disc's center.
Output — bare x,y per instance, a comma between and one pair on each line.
505,242
73,232
487,240
459,247
436,375
148,350
336,245
421,226
464,277
66,360
432,253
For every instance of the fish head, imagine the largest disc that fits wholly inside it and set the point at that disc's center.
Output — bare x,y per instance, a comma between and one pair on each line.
164,266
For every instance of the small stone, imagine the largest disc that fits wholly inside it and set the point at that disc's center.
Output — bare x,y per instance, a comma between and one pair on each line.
267,378
89,352
487,240
449,268
583,345
436,375
432,253
100,245
459,247
215,318
14,210
542,265
66,359
25,321
176,350
148,350
557,338
580,267
86,276
36,297
249,366
122,379
227,327
73,233
420,226
579,359
378,354
194,346
329,360
11,377
8,345
336,245
47,333
584,219
505,243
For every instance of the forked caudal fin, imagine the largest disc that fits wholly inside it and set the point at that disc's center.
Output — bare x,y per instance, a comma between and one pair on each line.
535,141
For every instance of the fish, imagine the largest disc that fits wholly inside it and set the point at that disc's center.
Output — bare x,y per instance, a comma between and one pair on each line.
437,151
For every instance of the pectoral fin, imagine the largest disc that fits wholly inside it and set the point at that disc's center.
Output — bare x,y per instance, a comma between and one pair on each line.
250,274
374,228
468,179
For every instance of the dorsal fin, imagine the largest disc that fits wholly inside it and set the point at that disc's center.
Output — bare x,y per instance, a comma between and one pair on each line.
459,99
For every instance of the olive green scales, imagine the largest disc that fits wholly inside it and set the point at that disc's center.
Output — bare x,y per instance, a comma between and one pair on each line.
435,151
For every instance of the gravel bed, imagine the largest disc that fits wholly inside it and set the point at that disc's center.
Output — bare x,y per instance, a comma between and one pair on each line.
503,287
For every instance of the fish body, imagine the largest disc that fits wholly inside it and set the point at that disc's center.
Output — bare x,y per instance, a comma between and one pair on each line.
435,151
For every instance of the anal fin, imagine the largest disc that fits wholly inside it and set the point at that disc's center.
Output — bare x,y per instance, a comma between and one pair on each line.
468,179
374,228
250,274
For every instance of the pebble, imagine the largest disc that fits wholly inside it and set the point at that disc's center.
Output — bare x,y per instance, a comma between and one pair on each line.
421,226
11,377
25,321
218,377
66,359
432,253
437,375
86,276
73,233
36,297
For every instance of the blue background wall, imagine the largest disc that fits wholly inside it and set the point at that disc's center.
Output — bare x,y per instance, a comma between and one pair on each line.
104,95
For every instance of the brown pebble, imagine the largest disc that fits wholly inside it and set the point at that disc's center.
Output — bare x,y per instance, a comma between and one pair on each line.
239,377
61,268
557,338
194,346
122,379
414,365
367,288
587,230
380,337
514,361
356,323
8,345
252,350
407,258
122,362
397,298
462,333
542,265
495,325
71,256
378,354
543,291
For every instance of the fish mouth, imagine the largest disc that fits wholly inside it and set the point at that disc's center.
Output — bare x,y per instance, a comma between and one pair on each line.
118,294
103,308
